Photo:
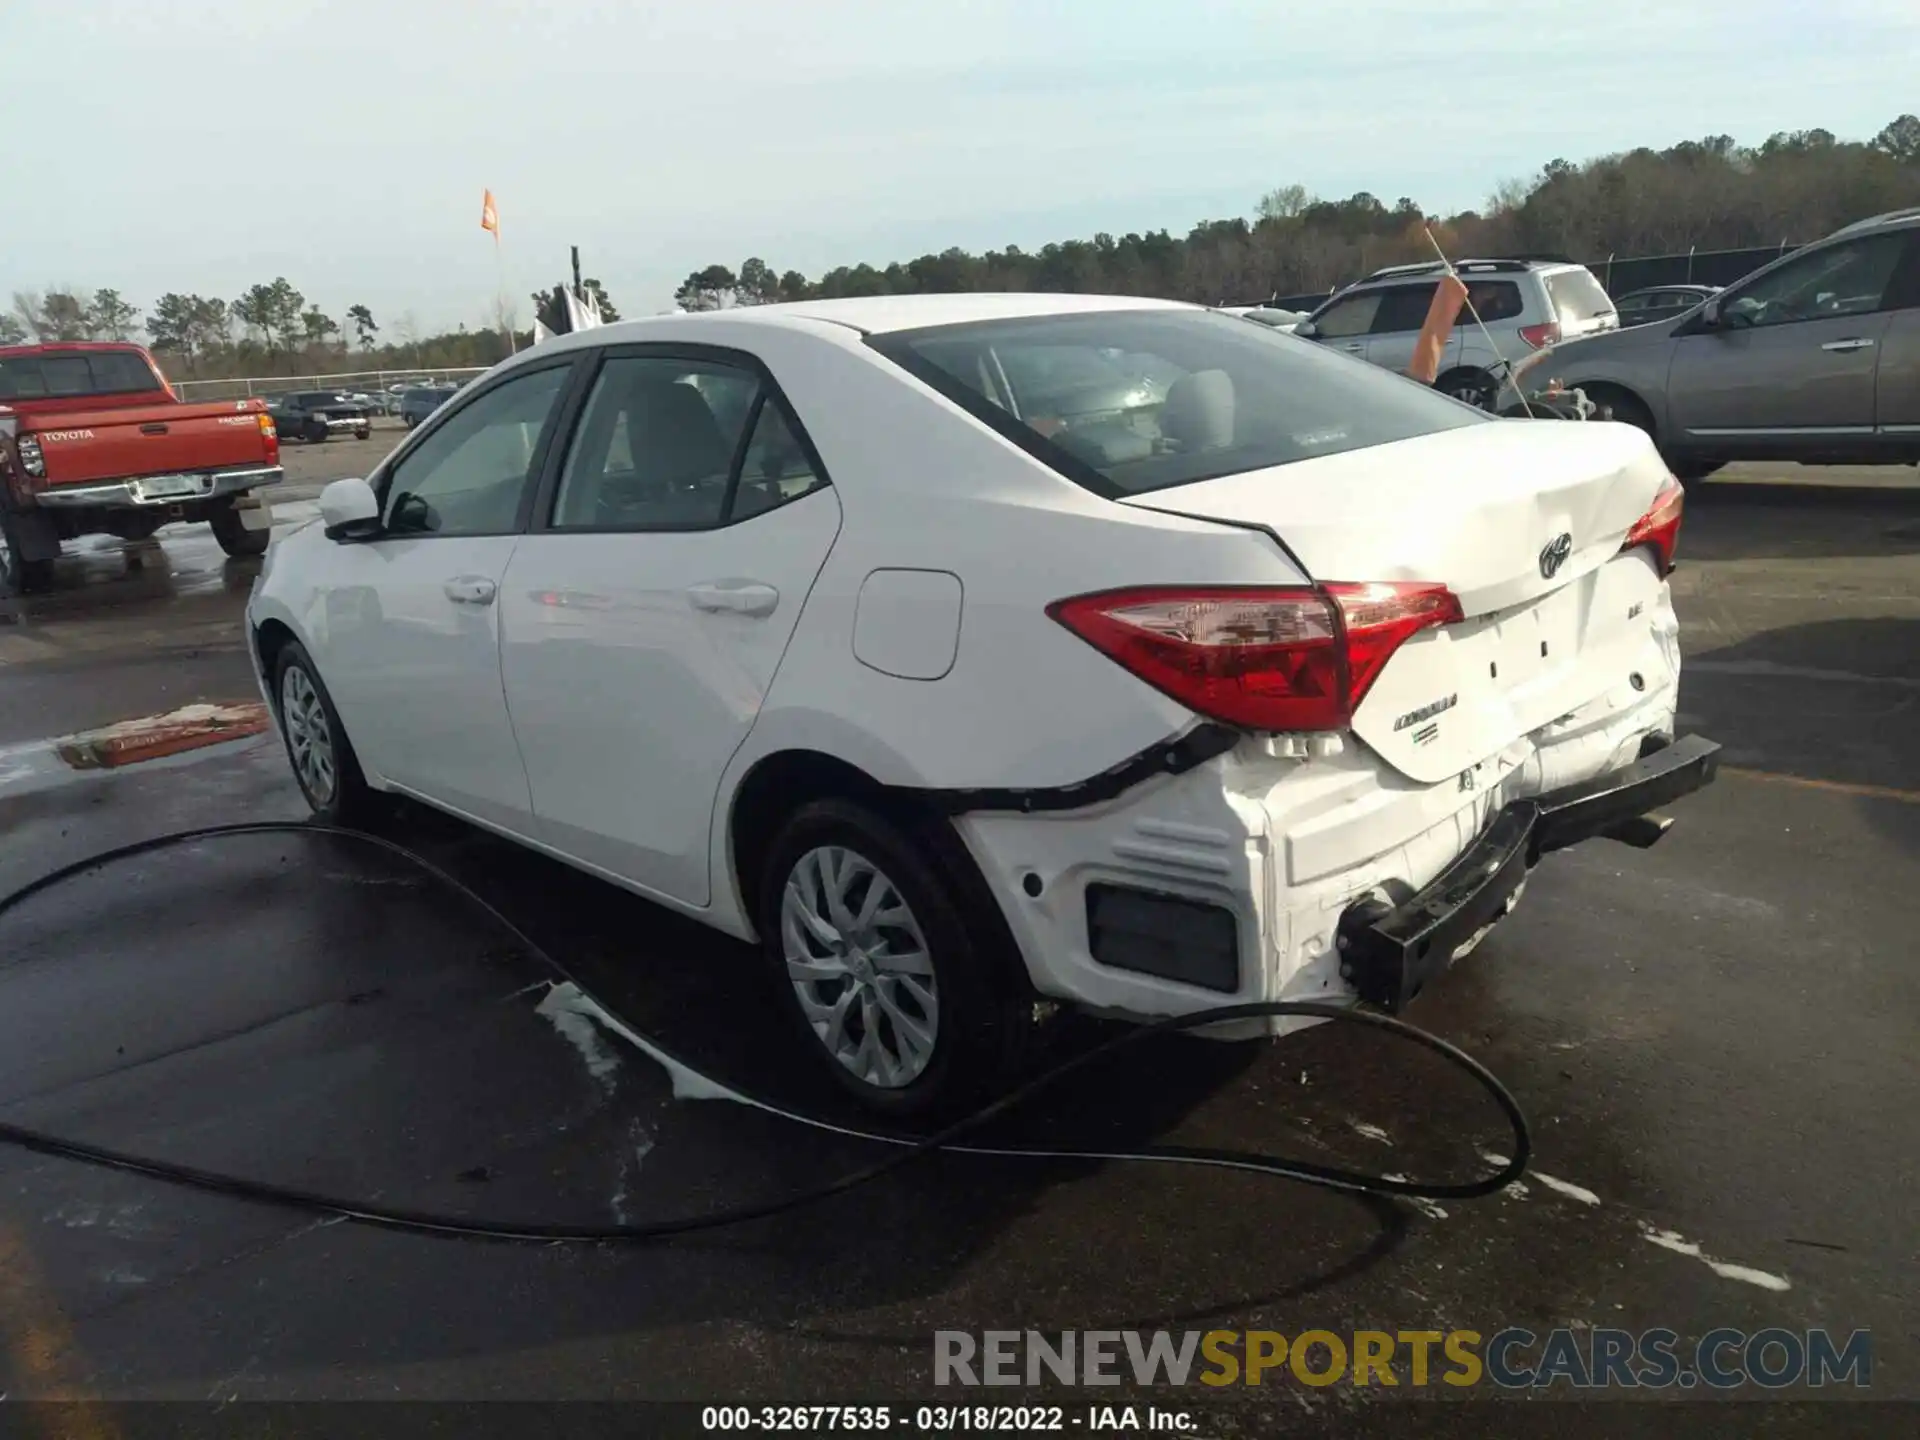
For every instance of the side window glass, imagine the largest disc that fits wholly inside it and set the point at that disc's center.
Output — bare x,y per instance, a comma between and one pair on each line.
655,446
1493,299
1404,309
468,476
1346,319
776,469
1847,279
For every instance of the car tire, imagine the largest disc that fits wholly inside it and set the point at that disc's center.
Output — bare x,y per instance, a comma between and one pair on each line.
1476,387
324,765
317,432
19,576
234,537
920,1037
363,433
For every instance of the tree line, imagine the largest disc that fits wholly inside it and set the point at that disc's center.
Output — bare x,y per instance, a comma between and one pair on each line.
1709,194
271,329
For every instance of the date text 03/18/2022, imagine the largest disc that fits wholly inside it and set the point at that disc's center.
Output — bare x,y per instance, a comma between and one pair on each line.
944,1419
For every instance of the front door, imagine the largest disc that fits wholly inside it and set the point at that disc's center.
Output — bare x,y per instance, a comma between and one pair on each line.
645,613
1791,364
1345,323
409,639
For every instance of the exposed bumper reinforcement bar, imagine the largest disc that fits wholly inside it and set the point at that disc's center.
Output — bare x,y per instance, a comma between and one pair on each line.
1389,953
146,494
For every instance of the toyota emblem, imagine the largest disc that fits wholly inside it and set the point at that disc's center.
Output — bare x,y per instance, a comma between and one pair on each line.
1555,555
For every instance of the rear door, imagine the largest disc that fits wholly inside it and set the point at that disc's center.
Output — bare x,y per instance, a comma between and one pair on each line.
1896,377
1793,363
646,613
1396,326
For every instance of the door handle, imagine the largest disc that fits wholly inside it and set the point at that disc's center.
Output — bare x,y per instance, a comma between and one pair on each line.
736,598
470,590
1353,349
1855,344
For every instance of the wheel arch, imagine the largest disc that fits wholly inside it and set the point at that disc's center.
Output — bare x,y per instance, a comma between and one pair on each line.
778,783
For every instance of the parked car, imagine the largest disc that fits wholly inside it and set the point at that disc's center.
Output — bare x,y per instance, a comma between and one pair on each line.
1266,315
1522,306
317,415
1274,687
1814,358
1661,302
94,441
417,405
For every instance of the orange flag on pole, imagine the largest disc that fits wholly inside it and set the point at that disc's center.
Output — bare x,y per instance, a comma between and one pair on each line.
1441,316
489,215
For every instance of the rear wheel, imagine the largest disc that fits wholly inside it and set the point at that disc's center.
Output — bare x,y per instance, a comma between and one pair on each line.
324,764
892,983
19,576
234,537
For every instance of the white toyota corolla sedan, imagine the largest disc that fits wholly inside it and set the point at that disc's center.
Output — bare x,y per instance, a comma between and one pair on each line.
969,651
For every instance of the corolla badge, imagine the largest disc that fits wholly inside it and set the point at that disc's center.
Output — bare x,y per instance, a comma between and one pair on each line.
1555,555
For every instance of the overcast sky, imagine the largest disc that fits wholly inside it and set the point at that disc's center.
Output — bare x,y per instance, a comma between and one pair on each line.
202,145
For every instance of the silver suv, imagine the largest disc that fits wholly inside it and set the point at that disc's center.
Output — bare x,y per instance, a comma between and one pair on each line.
1523,305
1814,358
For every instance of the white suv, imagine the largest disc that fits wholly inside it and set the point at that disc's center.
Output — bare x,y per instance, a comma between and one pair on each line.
1523,307
965,650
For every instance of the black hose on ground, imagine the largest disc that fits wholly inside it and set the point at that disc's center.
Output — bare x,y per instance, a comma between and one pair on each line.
908,1149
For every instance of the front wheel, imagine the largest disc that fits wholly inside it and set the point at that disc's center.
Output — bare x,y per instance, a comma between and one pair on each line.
363,433
892,983
234,537
19,576
324,764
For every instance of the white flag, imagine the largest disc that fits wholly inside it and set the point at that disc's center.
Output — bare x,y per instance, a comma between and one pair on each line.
540,332
580,314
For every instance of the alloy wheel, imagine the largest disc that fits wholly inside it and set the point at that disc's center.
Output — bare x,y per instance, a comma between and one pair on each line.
860,966
309,736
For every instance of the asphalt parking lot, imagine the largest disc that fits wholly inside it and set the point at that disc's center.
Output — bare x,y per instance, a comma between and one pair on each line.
1714,1041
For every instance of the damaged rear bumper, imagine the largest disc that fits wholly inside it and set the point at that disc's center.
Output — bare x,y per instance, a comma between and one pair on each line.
1389,953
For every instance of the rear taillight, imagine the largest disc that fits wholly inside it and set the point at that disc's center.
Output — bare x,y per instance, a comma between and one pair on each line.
271,434
1265,658
1659,528
1541,336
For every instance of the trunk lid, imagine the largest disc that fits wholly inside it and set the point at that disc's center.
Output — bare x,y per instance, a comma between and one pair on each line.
84,447
1477,510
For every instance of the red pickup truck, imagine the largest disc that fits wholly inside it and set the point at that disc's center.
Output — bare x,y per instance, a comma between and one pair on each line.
94,441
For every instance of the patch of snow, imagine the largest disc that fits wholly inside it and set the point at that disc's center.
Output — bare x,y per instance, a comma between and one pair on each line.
1371,1132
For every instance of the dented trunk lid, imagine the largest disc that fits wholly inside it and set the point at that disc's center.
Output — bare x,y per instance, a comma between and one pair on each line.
1551,622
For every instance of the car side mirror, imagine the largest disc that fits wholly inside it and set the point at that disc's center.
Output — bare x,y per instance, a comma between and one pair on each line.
1306,331
350,510
1710,317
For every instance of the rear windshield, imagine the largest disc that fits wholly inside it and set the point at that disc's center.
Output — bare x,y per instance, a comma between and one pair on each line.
1577,295
105,372
1128,401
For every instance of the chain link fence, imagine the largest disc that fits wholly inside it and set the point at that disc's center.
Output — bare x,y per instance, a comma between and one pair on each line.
376,384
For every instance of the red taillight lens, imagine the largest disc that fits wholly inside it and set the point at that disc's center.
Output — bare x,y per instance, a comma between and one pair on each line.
270,433
1659,528
1540,336
1266,658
